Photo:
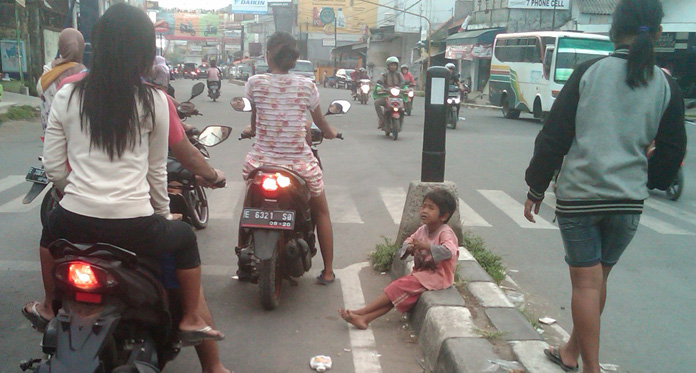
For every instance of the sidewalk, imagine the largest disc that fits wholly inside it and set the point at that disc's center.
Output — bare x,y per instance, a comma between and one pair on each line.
10,99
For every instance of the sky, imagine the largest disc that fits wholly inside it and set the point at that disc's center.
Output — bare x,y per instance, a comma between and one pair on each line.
192,5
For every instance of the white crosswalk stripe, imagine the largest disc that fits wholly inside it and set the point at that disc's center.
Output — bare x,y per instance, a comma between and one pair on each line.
670,210
10,181
469,217
513,209
16,205
342,206
394,199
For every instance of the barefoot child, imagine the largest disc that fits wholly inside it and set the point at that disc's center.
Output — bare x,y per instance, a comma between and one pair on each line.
435,249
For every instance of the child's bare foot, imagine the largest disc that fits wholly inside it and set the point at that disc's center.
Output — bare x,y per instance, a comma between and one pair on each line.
357,320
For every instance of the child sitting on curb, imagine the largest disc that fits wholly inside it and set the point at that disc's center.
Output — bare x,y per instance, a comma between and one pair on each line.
434,247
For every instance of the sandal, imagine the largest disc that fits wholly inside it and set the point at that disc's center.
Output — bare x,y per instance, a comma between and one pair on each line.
554,354
38,322
322,281
196,337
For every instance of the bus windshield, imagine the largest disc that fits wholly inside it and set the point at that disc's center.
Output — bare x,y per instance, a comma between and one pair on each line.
573,51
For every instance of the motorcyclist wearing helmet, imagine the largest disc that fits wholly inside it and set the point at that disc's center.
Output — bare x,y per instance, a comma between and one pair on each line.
455,80
407,75
391,78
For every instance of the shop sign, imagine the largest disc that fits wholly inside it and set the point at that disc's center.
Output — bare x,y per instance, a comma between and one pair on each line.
539,4
249,6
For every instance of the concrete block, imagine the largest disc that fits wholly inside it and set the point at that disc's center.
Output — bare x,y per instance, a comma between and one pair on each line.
513,324
459,355
489,294
531,355
471,271
429,299
464,254
442,323
410,219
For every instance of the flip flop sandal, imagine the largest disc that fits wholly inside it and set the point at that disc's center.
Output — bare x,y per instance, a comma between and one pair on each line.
322,281
554,355
38,322
196,337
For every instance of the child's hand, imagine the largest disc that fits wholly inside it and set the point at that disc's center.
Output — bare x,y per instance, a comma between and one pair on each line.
409,251
421,245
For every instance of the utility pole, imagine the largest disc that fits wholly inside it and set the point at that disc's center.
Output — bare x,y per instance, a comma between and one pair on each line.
19,45
335,41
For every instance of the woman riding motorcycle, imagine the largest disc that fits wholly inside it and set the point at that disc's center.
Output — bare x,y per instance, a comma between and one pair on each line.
391,78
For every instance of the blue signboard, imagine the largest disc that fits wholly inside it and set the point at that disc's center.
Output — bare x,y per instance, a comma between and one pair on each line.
249,6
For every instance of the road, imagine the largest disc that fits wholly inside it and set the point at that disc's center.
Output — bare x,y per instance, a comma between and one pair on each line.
367,176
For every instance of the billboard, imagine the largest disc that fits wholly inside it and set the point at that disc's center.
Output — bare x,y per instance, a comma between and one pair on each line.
9,55
356,19
249,6
539,4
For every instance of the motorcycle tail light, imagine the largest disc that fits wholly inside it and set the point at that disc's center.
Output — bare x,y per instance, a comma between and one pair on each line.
554,93
272,182
410,94
394,91
269,184
85,276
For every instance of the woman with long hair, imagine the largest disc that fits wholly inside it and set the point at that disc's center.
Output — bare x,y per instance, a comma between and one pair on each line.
597,133
112,129
280,102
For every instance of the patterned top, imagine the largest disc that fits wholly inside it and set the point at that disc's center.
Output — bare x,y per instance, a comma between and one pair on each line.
281,101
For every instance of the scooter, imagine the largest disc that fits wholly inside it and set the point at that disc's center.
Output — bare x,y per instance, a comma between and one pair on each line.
187,28
394,111
410,94
364,86
112,313
186,196
214,90
276,230
210,30
453,100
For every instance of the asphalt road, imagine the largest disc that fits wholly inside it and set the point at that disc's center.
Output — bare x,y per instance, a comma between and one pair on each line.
648,325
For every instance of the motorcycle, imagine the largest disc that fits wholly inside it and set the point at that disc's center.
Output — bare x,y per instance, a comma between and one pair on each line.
675,189
453,100
410,93
186,196
112,313
187,109
363,91
394,111
276,230
187,28
210,30
214,90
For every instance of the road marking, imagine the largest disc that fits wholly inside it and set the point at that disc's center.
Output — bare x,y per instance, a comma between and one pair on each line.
10,181
671,210
16,204
342,206
223,202
513,209
363,346
394,199
469,217
660,226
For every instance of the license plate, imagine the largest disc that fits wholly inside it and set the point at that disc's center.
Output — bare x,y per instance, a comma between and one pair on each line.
37,175
258,218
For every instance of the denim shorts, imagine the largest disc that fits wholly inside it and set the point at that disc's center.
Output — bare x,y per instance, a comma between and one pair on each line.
593,239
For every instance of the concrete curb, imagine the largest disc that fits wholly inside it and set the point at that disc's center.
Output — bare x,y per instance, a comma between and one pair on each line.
11,99
447,335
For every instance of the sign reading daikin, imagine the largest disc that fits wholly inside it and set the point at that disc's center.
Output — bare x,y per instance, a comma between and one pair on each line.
249,6
539,4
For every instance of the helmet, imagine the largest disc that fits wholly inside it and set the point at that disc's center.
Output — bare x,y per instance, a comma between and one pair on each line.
362,69
392,60
450,65
404,66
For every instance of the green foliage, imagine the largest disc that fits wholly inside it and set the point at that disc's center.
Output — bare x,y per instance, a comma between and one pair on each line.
458,280
18,113
530,317
490,335
11,85
383,254
489,261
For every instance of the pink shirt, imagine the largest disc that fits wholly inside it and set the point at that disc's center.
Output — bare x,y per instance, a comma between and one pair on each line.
213,74
443,275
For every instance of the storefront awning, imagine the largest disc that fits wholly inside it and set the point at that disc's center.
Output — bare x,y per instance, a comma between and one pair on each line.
485,36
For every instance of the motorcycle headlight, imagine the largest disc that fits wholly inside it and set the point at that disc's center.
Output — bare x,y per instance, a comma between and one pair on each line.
410,94
449,101
456,100
365,89
394,91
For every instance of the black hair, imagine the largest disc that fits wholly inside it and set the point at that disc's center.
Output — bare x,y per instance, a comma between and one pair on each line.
639,18
443,200
213,63
123,48
282,48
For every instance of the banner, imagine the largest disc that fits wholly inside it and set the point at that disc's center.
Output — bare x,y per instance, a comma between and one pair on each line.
10,57
249,6
356,19
539,4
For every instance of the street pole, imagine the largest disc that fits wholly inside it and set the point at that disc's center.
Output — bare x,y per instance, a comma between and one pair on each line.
435,126
553,23
19,46
335,42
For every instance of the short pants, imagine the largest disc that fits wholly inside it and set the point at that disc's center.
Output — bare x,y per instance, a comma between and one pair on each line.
593,239
404,292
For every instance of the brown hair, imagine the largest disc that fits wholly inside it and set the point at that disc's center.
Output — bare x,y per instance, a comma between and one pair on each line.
282,50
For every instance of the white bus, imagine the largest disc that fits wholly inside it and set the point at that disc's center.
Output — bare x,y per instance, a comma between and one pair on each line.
529,69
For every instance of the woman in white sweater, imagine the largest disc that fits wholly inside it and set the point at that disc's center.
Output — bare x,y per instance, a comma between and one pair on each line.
106,147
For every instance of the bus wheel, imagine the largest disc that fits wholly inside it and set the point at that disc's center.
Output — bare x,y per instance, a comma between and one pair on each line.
507,112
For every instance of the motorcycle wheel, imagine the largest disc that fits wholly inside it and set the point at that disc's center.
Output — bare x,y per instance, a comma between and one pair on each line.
198,207
395,128
452,118
48,204
270,280
675,190
409,108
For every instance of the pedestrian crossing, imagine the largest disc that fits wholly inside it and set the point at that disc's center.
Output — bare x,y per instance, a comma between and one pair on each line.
495,208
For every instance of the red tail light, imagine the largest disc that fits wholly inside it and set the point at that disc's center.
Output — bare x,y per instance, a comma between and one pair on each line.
273,182
555,93
81,276
269,184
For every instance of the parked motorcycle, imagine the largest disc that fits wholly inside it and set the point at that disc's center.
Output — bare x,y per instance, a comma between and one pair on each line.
394,111
410,94
363,91
187,28
186,196
453,100
214,90
276,230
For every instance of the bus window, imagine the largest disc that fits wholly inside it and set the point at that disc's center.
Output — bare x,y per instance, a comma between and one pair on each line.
548,57
574,51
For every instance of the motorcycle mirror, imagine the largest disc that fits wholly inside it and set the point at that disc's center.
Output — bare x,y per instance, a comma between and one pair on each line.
338,107
241,104
213,135
197,89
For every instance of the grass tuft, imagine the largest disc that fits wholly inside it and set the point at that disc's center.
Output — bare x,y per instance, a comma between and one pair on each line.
383,255
19,113
490,262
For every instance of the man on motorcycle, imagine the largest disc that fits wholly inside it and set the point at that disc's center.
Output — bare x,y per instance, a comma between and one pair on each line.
214,74
455,80
354,81
407,75
391,78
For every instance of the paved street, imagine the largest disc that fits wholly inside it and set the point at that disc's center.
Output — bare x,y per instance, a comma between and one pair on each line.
648,326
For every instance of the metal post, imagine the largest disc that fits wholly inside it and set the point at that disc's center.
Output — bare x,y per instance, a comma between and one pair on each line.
242,47
19,47
335,41
435,126
553,23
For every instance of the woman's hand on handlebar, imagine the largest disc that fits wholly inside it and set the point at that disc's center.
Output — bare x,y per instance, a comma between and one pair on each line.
330,133
247,133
